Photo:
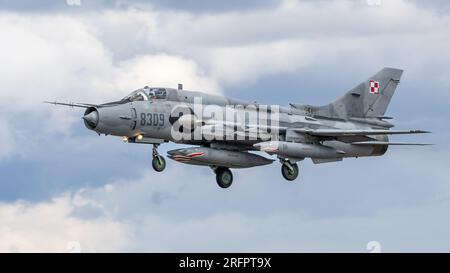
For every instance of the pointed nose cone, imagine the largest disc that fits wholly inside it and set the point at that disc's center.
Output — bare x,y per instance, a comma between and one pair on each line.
174,152
257,146
91,118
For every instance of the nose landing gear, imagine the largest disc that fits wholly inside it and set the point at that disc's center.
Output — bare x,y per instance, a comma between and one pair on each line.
158,162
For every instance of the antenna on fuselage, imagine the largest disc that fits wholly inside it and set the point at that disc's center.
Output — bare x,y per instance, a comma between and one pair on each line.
180,86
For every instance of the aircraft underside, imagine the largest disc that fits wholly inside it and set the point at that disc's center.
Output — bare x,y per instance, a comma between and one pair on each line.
221,157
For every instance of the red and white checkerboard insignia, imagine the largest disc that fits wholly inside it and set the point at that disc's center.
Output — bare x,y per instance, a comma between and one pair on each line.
374,87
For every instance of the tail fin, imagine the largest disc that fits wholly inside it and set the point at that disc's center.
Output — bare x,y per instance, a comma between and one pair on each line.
368,99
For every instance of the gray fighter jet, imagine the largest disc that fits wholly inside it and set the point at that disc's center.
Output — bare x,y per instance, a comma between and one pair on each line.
227,132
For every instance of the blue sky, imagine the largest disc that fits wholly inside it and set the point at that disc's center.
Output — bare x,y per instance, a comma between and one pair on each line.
62,183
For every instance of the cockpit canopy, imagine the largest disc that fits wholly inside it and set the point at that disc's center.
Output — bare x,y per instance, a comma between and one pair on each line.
147,93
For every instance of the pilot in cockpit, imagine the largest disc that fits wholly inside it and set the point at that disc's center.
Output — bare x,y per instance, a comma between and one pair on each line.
147,93
156,93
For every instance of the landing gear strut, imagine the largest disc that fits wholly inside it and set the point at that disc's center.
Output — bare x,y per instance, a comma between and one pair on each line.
158,162
289,170
224,177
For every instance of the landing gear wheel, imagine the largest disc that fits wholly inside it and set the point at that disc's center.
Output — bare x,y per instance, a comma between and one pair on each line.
224,177
158,163
289,171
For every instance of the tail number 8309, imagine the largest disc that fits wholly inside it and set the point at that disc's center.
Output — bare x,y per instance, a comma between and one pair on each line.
152,119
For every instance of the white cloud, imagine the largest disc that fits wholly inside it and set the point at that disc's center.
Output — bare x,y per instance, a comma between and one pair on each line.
49,227
161,212
237,47
164,70
56,57
90,57
232,65
46,56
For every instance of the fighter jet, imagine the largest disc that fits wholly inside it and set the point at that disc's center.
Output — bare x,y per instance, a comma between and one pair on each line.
229,133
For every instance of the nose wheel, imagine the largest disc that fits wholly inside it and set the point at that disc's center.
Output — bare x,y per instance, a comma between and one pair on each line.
224,177
158,162
289,170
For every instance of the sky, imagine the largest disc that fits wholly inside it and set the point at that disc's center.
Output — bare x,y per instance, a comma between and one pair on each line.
62,185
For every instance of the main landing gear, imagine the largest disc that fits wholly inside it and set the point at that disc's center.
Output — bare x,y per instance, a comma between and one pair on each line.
289,170
224,177
158,162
